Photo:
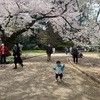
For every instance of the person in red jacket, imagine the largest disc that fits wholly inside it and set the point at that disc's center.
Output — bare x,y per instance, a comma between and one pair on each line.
3,52
0,57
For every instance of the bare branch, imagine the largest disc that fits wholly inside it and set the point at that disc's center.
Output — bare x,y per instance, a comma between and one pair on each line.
97,17
9,17
72,28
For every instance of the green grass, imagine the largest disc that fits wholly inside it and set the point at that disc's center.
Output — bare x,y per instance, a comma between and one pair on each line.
91,54
10,60
25,53
33,51
36,52
39,52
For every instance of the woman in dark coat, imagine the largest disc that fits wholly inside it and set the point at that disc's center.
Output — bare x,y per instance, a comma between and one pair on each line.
75,54
17,54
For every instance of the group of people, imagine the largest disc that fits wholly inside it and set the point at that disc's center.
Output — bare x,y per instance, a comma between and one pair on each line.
16,53
74,52
59,68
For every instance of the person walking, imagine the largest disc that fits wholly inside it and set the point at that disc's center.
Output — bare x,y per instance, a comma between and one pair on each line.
75,54
59,70
17,55
3,52
66,50
49,51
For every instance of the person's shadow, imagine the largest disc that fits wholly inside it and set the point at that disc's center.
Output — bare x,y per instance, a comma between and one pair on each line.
64,84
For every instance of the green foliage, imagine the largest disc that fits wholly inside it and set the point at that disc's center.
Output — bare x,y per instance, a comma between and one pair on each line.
28,41
41,38
10,60
32,47
62,45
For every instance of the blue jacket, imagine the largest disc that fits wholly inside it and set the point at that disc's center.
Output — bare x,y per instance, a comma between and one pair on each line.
61,68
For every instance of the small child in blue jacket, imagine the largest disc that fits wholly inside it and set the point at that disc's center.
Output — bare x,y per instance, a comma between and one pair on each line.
59,70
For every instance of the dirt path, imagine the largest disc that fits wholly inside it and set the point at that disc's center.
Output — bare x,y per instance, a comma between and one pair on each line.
36,81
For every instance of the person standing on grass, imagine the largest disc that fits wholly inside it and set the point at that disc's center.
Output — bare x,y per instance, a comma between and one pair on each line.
49,51
17,55
3,52
59,70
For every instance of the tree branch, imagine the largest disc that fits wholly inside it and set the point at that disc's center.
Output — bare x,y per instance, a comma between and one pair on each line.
29,25
97,17
72,28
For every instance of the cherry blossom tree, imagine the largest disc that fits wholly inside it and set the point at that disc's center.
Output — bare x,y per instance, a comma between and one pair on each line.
20,16
90,20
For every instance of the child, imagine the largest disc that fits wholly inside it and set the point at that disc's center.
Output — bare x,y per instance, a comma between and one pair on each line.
59,70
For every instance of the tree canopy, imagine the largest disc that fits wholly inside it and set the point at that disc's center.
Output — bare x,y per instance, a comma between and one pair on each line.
76,20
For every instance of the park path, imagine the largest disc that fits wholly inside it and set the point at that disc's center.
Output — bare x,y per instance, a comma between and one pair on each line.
36,81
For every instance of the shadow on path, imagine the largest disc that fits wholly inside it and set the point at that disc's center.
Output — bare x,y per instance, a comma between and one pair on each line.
36,81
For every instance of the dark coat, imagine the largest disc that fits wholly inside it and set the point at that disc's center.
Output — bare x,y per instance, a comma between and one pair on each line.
16,54
74,51
49,50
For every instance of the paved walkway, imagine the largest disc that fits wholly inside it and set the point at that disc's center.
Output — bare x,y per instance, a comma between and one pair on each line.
36,81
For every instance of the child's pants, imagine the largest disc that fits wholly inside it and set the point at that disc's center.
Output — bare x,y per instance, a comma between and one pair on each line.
61,75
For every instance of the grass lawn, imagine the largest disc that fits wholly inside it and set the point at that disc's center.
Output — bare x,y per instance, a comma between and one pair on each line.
26,54
30,53
91,54
33,52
